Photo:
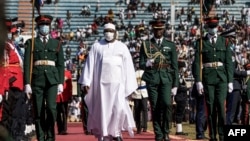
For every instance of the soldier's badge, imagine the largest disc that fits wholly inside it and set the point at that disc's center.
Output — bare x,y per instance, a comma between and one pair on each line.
166,48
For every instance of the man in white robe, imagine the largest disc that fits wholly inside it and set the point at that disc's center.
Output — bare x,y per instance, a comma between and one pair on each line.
108,78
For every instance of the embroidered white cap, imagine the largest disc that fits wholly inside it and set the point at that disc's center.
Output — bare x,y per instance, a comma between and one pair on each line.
109,26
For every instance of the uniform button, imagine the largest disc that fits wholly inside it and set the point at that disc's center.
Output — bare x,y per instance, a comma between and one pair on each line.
45,70
45,57
214,55
46,50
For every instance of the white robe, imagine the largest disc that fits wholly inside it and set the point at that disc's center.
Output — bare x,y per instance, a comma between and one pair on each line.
110,73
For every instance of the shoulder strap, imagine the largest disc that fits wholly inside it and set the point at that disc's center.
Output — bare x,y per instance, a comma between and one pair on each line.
58,46
227,42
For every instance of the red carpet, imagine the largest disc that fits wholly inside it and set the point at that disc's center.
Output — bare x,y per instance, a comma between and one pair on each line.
75,133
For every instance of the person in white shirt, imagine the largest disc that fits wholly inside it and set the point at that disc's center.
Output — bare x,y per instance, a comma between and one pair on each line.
140,98
107,79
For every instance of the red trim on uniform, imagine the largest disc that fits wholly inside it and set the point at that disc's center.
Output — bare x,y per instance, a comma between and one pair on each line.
213,21
206,111
44,19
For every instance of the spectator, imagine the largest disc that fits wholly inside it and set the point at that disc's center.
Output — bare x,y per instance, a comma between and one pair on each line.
62,103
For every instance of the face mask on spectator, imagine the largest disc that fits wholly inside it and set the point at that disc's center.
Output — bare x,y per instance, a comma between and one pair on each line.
44,29
9,36
109,36
212,31
17,39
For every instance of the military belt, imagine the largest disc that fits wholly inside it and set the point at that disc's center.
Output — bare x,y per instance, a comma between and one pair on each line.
212,64
161,66
158,67
44,63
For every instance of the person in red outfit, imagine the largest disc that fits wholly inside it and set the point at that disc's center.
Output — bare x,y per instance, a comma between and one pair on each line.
62,103
11,90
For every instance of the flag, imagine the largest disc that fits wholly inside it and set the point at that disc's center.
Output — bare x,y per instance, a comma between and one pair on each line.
38,4
207,6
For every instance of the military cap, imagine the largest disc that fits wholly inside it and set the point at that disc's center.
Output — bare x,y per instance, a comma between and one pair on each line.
157,24
212,21
11,24
229,32
44,19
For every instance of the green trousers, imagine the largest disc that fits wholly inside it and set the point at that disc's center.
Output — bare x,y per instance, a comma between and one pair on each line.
160,100
44,99
215,96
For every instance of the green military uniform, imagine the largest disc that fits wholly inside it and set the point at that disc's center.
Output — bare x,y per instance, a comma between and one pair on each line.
45,79
217,72
160,78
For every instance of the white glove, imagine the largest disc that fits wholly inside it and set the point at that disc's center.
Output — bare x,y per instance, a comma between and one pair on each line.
27,89
230,87
248,72
149,62
59,89
1,98
200,88
174,91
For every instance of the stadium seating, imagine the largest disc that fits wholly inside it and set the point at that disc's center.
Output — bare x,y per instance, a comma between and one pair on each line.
23,9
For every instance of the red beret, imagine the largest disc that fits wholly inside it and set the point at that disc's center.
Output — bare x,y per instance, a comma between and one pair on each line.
212,21
44,19
11,24
157,24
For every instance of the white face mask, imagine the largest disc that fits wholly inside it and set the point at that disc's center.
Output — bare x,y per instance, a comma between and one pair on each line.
109,36
212,31
9,36
17,39
44,29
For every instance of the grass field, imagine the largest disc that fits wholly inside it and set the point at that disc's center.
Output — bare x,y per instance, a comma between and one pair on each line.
187,128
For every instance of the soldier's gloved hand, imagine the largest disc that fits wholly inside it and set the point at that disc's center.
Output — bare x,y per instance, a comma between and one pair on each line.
149,62
59,89
230,87
1,98
28,90
199,87
174,91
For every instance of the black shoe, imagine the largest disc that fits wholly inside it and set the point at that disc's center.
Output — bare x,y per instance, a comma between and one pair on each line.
144,130
201,137
87,133
62,133
138,132
181,133
117,138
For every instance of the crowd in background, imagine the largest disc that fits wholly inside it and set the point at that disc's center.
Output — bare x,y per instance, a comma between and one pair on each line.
184,35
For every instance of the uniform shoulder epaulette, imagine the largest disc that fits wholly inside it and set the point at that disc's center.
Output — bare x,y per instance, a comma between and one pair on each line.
170,41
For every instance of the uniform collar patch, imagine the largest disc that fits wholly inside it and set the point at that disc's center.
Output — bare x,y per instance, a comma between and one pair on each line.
166,47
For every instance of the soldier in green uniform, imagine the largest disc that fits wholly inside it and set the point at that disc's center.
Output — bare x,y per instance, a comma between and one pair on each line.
158,59
217,75
47,77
